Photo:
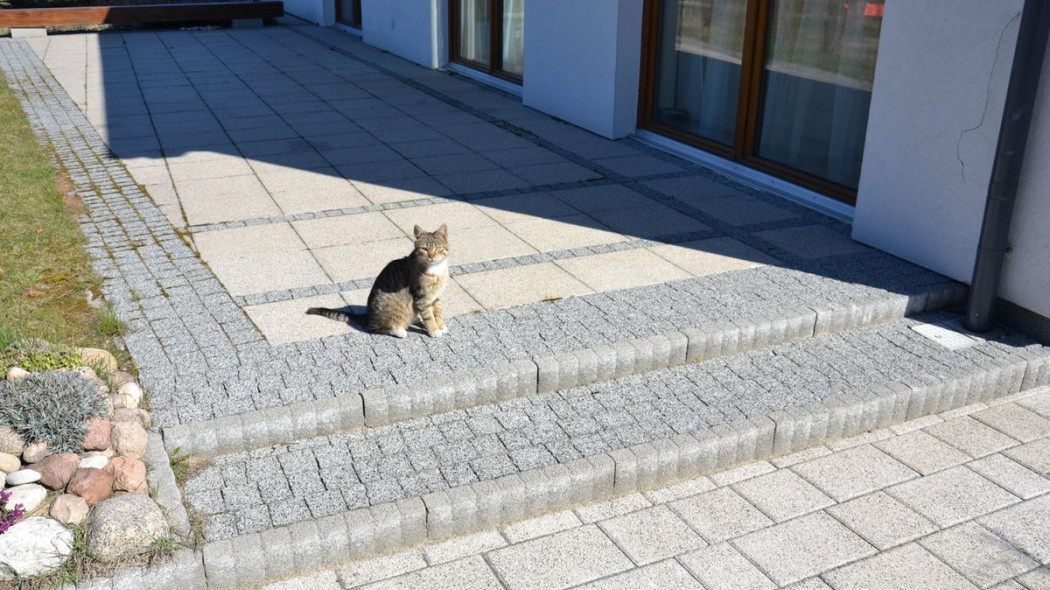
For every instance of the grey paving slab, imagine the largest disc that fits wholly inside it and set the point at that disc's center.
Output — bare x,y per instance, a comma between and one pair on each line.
798,549
559,561
882,520
952,496
1016,421
1025,526
978,554
1034,455
923,452
721,514
722,567
909,566
783,495
652,535
971,436
666,575
854,472
1011,475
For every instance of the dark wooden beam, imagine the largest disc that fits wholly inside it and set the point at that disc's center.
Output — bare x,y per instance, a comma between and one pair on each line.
137,14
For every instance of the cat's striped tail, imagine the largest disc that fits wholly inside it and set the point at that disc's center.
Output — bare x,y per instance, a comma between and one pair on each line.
335,314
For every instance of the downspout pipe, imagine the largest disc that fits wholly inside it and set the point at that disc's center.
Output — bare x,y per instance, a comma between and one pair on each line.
1032,36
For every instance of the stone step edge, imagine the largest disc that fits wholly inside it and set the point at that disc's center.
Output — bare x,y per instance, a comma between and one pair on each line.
331,541
465,389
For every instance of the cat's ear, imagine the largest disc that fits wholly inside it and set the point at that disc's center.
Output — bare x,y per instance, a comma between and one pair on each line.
442,231
418,231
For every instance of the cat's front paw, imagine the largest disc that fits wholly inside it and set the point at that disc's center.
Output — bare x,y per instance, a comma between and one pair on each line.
438,333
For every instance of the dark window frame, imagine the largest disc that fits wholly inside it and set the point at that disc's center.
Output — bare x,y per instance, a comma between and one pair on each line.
356,23
748,118
495,43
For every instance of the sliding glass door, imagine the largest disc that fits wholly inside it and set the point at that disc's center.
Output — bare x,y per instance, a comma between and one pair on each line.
478,26
780,85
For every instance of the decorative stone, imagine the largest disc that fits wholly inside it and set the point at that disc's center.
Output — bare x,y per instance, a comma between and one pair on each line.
93,485
129,438
9,463
121,377
94,462
131,415
35,452
33,547
88,373
98,435
10,442
16,373
98,357
125,526
129,475
69,509
57,470
30,496
115,401
23,476
130,394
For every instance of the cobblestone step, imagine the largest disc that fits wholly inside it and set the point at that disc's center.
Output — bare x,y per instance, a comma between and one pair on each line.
506,380
326,499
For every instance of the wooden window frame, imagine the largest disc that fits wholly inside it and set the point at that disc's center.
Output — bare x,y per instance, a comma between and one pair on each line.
357,12
495,42
749,102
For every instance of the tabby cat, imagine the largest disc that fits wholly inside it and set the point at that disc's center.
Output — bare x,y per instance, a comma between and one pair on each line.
407,288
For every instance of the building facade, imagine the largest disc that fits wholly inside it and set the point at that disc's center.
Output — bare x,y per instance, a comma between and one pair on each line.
882,112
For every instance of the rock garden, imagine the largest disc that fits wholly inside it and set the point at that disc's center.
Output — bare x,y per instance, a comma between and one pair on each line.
73,441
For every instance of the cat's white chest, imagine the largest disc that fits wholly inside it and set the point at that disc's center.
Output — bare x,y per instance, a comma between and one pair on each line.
438,270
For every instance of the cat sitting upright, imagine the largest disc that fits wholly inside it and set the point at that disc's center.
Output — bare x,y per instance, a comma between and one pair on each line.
407,288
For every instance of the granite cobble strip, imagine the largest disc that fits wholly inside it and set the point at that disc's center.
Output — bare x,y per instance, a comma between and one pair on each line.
655,427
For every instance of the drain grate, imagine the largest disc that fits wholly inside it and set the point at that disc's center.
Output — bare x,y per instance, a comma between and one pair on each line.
950,334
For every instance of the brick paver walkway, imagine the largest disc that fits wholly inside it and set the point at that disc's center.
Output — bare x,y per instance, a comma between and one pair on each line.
955,501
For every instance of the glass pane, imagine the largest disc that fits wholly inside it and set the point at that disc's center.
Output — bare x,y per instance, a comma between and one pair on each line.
699,46
474,30
820,62
513,36
348,12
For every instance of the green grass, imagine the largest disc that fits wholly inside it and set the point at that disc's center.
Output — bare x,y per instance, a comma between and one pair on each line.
44,271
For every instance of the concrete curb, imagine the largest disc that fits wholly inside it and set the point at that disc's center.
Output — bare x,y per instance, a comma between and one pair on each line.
465,389
161,480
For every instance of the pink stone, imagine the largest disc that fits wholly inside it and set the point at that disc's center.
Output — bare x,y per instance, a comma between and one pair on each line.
98,436
128,474
56,470
93,485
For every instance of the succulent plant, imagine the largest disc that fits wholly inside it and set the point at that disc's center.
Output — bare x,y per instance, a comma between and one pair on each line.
52,407
36,356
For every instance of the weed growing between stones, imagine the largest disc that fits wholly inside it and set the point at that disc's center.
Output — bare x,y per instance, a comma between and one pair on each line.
52,407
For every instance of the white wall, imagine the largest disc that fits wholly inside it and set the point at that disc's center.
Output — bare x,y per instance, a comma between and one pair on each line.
940,85
319,12
582,60
413,29
935,111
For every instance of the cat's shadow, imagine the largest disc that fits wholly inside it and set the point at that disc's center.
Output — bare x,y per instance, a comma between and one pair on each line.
356,319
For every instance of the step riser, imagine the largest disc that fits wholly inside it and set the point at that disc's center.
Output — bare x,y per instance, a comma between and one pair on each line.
333,540
444,393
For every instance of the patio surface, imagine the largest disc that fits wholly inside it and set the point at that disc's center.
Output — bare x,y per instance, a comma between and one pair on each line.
294,159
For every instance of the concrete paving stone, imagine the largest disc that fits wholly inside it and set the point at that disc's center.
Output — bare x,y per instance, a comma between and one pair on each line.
721,567
458,216
1038,579
361,261
523,208
261,273
453,163
345,230
637,165
602,198
1025,526
467,574
782,495
812,241
975,552
324,580
563,233
1011,475
740,211
489,243
525,284
854,472
1015,421
612,508
666,575
882,520
306,200
539,526
228,207
971,436
800,456
680,490
720,514
622,270
462,547
1034,455
272,319
810,584
744,472
952,496
712,256
792,551
247,241
480,181
559,561
401,189
694,189
909,566
922,452
650,221
1038,402
651,535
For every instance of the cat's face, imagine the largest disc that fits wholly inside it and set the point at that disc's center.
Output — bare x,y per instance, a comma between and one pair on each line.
431,247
